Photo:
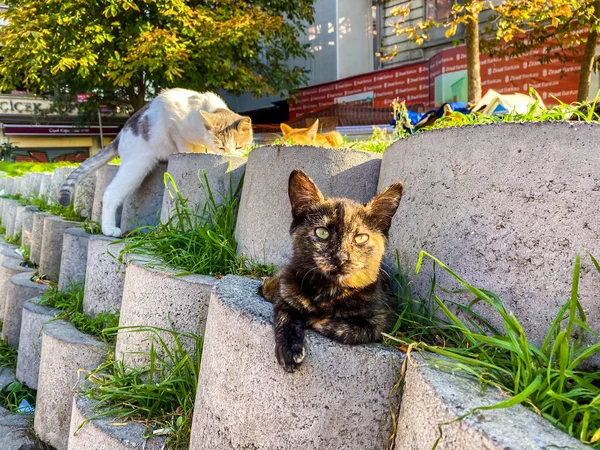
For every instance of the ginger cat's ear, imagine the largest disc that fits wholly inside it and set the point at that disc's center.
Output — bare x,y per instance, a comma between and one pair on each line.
208,120
311,131
303,192
285,129
384,205
245,125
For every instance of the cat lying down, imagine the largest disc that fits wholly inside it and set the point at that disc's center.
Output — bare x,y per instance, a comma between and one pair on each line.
334,283
177,121
309,136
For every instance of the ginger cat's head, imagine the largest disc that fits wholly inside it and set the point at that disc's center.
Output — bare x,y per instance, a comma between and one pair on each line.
310,136
230,132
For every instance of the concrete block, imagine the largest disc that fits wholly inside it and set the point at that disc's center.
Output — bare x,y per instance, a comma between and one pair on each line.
59,176
51,253
7,185
14,428
142,208
31,184
37,236
45,181
9,216
19,289
264,218
104,278
159,298
27,225
84,196
103,433
9,267
33,320
65,351
104,176
3,202
186,169
19,217
509,219
74,257
433,398
340,398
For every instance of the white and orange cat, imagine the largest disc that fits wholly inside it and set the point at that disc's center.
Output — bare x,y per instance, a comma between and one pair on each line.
310,136
177,121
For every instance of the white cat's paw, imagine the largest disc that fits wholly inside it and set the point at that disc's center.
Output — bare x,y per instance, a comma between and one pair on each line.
111,231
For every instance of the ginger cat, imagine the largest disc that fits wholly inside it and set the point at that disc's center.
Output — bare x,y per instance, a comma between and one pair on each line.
309,136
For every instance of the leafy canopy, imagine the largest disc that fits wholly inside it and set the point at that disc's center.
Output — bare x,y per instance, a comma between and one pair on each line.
129,48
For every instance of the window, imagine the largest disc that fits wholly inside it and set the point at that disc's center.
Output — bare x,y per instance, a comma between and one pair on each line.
439,9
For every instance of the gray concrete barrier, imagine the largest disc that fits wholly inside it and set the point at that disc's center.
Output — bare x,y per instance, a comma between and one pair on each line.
19,217
104,277
65,351
74,257
9,267
59,176
8,217
37,236
340,398
51,253
433,400
507,208
45,181
142,208
33,320
27,226
186,170
265,216
19,289
158,298
103,433
83,201
104,176
31,184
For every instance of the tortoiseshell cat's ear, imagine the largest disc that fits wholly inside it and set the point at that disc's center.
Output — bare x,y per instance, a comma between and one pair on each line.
384,205
303,192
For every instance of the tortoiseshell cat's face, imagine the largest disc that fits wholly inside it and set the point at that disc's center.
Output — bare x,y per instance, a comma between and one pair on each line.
339,239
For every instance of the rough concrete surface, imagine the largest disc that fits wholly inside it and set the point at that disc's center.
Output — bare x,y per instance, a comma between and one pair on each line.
8,217
74,257
27,226
108,433
186,169
45,184
7,183
37,236
83,201
103,277
9,267
31,184
19,289
33,319
19,217
265,216
432,398
507,209
51,253
3,202
142,208
104,176
65,351
59,176
159,298
339,399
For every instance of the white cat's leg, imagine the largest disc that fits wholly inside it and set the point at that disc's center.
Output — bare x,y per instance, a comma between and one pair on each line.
128,179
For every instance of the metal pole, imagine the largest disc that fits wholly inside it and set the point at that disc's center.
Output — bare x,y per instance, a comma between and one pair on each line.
101,135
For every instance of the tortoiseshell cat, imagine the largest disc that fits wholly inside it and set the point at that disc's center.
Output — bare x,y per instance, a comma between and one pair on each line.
334,283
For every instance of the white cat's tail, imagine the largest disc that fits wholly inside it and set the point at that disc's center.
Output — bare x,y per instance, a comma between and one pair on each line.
92,164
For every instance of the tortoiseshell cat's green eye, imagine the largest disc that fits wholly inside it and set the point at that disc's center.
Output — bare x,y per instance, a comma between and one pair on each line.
361,238
322,233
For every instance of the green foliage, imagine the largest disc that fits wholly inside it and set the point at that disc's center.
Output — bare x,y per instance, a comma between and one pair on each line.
7,151
160,394
122,51
18,169
15,239
546,378
45,204
12,395
8,355
197,240
380,140
92,227
70,302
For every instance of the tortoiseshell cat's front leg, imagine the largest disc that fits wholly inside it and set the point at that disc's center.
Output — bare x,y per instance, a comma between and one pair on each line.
289,336
352,331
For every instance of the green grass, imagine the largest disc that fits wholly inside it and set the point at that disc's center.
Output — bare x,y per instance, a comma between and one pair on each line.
15,239
8,355
160,394
70,302
45,204
19,169
198,240
92,227
547,378
12,395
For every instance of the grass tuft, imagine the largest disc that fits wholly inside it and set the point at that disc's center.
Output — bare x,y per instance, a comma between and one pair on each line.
19,169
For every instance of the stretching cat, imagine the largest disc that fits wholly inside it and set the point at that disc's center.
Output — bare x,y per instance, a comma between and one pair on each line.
309,136
334,283
177,120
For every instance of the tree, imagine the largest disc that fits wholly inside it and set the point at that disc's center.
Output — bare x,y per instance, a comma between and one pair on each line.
554,25
466,14
127,50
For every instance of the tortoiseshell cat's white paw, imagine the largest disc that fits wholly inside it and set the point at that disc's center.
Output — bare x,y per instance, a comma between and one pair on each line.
290,358
111,231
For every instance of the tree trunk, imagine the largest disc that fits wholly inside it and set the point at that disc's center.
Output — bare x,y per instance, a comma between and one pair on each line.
587,64
137,94
473,67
